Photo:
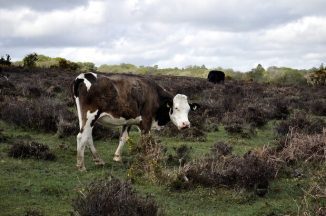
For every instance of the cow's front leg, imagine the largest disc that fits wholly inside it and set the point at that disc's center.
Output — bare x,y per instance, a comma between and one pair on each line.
123,139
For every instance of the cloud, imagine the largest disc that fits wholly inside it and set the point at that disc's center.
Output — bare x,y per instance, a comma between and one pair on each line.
41,5
232,34
27,23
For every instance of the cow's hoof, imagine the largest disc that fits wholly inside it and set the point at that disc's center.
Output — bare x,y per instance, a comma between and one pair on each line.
81,168
99,162
117,158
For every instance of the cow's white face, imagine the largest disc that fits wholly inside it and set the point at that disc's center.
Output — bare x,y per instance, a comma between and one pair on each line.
179,111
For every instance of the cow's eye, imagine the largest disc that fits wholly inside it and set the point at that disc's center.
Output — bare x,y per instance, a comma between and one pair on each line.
176,108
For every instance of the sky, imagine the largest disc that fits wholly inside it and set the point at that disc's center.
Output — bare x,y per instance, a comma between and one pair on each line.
237,34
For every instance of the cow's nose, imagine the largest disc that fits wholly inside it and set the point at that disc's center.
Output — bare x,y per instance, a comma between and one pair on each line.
185,125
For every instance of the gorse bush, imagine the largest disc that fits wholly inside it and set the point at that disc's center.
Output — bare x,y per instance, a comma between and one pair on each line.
110,196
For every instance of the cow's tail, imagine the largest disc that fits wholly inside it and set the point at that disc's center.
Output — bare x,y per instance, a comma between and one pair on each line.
75,87
75,91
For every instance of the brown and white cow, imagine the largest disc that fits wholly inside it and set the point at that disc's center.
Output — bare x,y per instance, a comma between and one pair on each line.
124,100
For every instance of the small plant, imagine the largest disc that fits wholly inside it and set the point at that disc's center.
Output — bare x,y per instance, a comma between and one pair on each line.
110,196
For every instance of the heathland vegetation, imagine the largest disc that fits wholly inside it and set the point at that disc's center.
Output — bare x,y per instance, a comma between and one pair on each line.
257,145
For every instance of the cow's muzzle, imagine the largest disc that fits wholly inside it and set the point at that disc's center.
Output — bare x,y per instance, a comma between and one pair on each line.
184,126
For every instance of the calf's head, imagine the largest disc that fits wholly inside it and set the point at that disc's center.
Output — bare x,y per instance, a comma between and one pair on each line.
179,109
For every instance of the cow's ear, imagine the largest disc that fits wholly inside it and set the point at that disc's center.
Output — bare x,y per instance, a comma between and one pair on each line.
194,106
169,104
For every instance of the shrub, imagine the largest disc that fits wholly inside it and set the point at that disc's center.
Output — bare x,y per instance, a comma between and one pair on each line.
31,150
247,172
7,87
302,123
280,109
34,114
245,131
3,137
298,147
221,149
66,129
147,161
113,197
221,168
43,114
190,134
180,157
33,212
318,107
255,116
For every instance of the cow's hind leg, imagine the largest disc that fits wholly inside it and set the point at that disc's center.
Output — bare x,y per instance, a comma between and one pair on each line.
123,138
81,144
96,158
85,138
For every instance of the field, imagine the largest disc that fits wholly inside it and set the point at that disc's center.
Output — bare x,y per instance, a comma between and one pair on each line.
271,134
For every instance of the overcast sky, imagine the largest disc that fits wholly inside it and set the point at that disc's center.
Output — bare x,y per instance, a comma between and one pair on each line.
236,34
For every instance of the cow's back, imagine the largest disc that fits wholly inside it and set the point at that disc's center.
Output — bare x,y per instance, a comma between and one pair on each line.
121,95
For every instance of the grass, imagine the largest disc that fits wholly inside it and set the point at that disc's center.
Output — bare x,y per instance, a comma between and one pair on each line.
48,187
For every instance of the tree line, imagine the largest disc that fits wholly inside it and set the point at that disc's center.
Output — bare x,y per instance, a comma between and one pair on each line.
273,74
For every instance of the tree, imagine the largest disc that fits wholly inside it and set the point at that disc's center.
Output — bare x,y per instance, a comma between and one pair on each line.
30,60
68,65
257,74
5,61
317,77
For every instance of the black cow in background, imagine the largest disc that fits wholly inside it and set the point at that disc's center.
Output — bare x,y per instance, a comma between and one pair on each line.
216,76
